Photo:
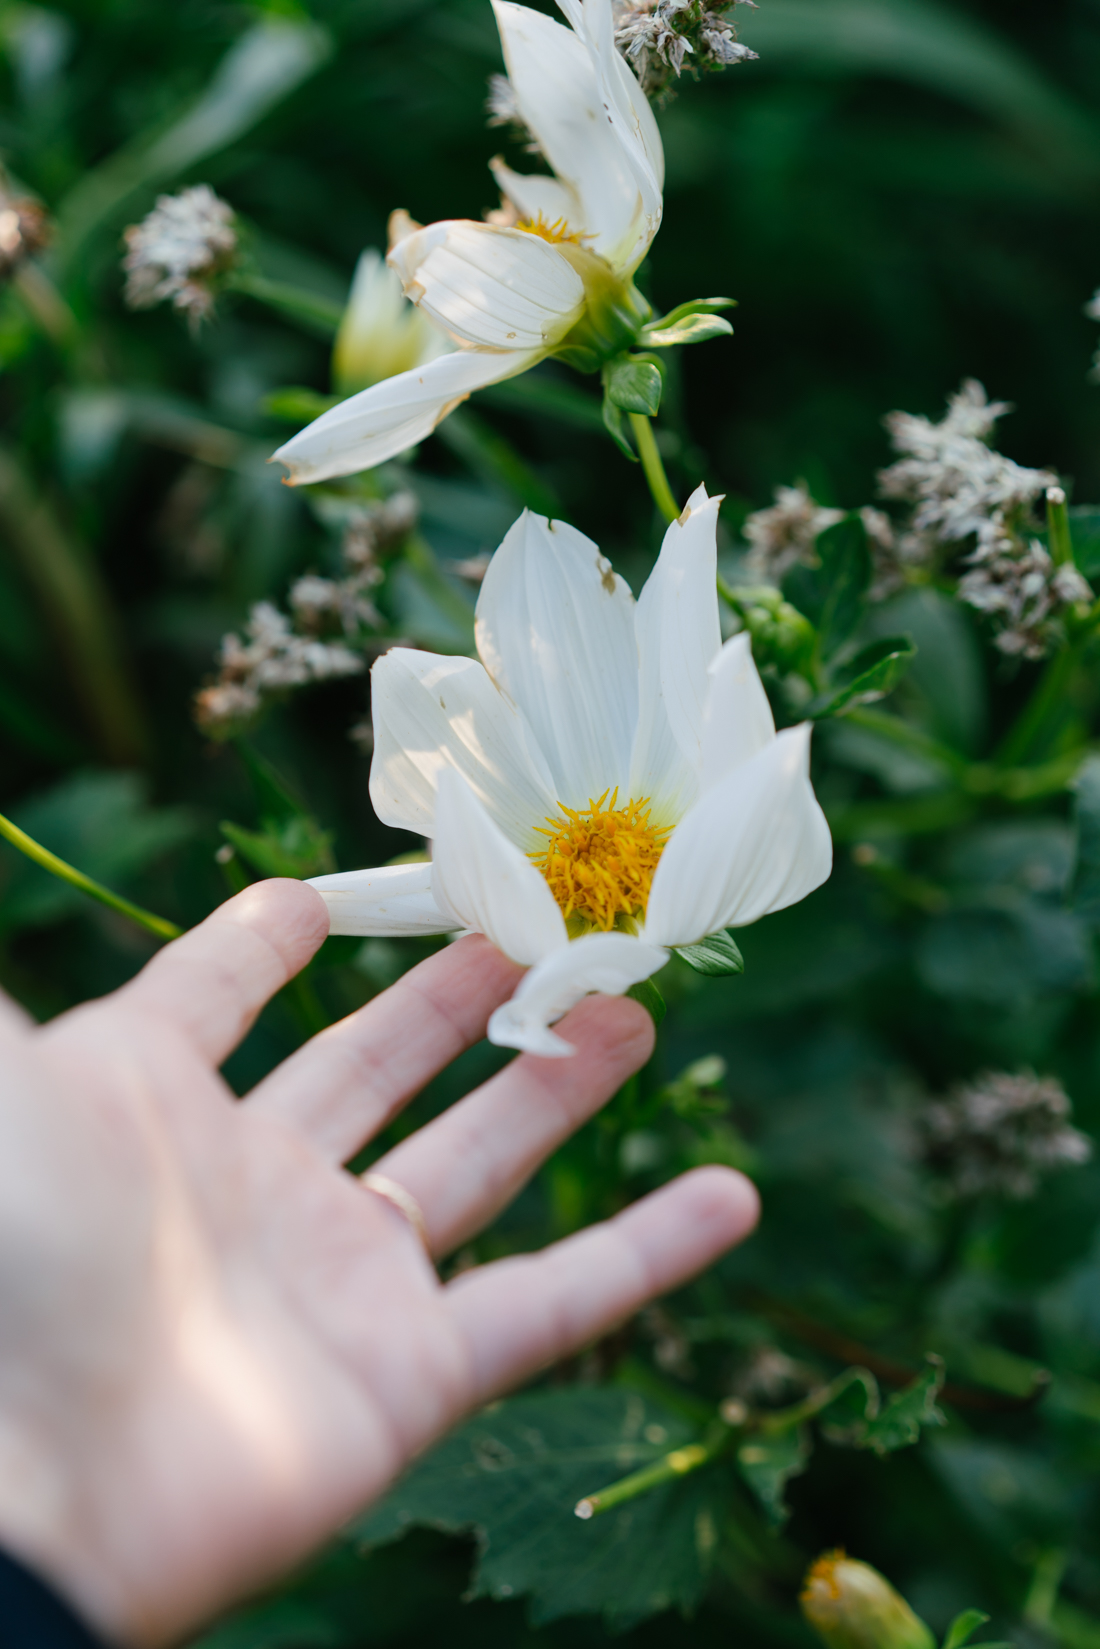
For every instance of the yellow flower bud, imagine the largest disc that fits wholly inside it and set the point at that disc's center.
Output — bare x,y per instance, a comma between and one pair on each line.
851,1606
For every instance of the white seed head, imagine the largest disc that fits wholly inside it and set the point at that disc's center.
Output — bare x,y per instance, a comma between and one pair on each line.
785,534
178,249
1000,1133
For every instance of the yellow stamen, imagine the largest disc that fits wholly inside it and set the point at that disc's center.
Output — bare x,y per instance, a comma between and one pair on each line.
599,862
556,233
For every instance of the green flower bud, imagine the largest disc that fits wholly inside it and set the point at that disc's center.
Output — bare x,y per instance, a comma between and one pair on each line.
781,635
851,1606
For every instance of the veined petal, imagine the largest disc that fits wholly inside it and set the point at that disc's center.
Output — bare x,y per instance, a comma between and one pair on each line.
394,901
605,962
496,288
587,127
484,882
384,420
737,718
678,636
555,627
756,842
432,714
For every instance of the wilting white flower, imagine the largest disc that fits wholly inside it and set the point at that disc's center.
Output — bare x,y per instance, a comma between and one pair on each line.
785,533
177,249
1001,1132
381,333
606,784
559,281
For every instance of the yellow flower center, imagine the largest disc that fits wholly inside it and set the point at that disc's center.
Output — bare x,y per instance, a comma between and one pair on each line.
557,233
600,861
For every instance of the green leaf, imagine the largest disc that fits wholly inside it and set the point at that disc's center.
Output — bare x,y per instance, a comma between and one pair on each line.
298,847
692,329
768,1463
513,1476
899,1423
963,1627
646,992
683,311
613,423
874,672
635,386
716,954
831,594
297,406
1085,886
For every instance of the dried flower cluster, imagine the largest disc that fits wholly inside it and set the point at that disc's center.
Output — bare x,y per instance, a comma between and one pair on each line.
999,1134
280,652
785,534
24,229
662,37
177,252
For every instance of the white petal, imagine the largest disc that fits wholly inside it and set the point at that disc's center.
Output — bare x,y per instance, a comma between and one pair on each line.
482,880
384,420
394,901
537,196
756,842
432,714
605,962
737,718
555,627
587,126
678,636
496,288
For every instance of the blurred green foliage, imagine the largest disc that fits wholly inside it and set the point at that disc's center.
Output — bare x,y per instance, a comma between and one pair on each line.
899,193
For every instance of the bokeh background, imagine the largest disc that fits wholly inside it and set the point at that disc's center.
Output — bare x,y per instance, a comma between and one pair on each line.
899,194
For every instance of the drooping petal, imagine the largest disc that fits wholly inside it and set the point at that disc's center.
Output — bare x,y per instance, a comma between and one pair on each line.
555,627
494,288
756,842
384,420
587,126
605,962
678,637
394,901
433,714
737,718
484,882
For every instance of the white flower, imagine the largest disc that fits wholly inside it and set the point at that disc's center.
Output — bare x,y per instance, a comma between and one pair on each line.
558,281
381,334
606,784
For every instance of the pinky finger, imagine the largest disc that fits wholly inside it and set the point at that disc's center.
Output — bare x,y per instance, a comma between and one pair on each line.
521,1314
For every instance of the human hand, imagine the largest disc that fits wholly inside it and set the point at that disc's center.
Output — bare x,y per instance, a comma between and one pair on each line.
215,1344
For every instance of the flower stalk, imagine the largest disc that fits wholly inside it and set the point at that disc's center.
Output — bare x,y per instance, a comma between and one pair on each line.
652,467
158,925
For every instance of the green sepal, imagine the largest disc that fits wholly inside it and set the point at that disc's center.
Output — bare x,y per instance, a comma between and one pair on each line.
716,954
651,999
692,329
613,423
580,357
694,306
963,1627
634,386
874,672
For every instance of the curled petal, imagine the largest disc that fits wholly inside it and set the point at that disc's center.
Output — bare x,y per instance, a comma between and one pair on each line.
484,882
555,627
494,288
605,962
392,902
432,713
386,419
737,718
756,842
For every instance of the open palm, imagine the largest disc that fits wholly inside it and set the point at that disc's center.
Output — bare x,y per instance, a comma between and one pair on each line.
216,1345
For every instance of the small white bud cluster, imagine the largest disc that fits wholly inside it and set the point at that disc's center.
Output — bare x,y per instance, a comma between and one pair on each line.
999,1134
282,652
657,36
785,534
176,252
24,229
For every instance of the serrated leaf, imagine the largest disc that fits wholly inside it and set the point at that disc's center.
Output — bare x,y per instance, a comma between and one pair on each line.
963,1627
768,1463
716,954
900,1421
691,329
846,1418
647,993
831,594
514,1474
635,386
874,672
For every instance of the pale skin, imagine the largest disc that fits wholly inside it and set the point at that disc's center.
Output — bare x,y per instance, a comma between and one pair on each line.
215,1344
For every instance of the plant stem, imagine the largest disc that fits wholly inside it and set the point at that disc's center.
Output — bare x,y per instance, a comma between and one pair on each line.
910,738
1051,689
57,867
1059,538
671,1466
652,466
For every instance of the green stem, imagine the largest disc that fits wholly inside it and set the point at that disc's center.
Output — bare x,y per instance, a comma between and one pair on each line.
652,466
1058,533
1046,697
76,878
317,314
671,1466
910,738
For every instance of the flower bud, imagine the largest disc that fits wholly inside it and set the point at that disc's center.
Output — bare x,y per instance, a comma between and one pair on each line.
381,334
851,1606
